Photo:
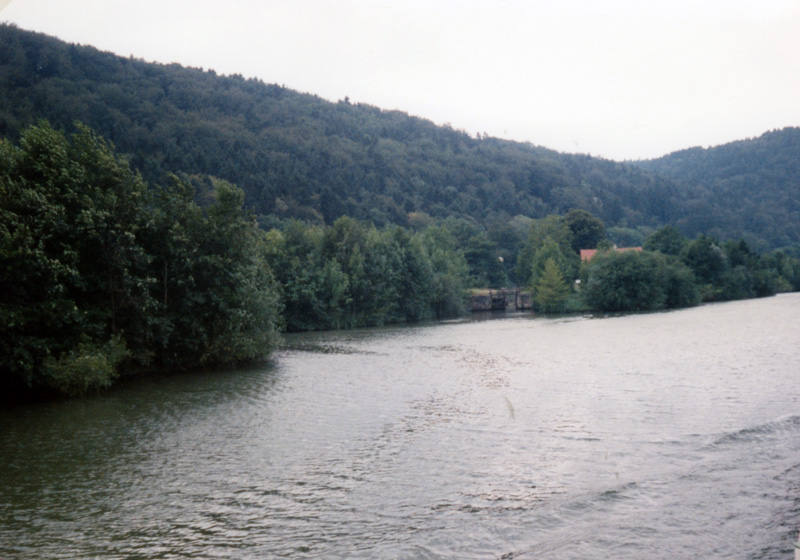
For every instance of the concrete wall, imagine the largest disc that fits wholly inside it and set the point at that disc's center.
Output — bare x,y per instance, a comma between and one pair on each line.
480,302
524,300
488,300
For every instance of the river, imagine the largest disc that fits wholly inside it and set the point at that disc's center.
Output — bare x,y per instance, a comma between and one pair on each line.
665,435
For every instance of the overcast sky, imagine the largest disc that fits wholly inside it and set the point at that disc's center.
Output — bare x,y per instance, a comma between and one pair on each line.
621,79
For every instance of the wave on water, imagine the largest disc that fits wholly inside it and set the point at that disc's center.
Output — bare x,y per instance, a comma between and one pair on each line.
319,348
760,432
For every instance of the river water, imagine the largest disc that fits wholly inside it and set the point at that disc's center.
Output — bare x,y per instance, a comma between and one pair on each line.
669,435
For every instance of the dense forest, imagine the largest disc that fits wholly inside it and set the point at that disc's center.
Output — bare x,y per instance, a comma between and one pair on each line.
157,218
748,188
102,275
297,156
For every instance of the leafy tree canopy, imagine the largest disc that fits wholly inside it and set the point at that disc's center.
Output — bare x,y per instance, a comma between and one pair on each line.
667,240
102,276
587,230
297,156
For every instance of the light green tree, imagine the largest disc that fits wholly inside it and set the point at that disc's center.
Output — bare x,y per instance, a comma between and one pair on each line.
550,249
553,227
551,291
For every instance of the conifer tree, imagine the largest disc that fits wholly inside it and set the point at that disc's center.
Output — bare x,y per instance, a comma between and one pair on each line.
551,291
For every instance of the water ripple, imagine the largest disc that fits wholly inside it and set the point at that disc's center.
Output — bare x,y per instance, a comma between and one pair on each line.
649,436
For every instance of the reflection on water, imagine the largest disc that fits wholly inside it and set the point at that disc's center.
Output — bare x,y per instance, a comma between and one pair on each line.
670,435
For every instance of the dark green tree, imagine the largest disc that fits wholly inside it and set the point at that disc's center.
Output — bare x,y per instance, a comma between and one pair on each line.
667,240
75,279
624,281
679,283
238,307
218,302
707,260
99,277
450,272
300,157
587,230
638,281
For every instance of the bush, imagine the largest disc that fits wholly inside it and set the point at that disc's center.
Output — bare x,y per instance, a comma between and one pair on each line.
86,368
638,281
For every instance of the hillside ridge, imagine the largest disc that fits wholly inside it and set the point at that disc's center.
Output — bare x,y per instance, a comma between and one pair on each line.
298,156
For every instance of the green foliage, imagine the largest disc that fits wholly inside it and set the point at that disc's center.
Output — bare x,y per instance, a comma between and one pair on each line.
624,281
705,270
85,368
787,269
747,188
297,156
667,240
587,230
73,272
486,266
551,291
627,237
100,277
732,270
708,262
217,300
315,289
638,281
450,271
550,227
679,284
352,274
550,251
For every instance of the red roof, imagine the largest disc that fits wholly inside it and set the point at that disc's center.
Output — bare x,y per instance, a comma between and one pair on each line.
588,254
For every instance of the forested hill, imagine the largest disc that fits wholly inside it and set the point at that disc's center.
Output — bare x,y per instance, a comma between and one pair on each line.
298,156
745,186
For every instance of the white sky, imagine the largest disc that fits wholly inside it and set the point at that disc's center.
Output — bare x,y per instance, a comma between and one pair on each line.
622,79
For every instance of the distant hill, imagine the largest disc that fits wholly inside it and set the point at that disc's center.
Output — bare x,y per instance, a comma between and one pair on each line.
740,188
299,156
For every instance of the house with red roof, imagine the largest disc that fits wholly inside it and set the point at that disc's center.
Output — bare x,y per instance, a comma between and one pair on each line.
588,254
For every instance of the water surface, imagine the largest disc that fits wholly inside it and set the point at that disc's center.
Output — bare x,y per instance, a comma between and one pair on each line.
670,435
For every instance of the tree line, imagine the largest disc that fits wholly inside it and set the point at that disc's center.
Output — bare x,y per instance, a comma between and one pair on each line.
103,275
353,274
741,188
669,271
299,157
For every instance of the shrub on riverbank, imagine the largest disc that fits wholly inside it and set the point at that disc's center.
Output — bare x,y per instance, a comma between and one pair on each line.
638,281
702,269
